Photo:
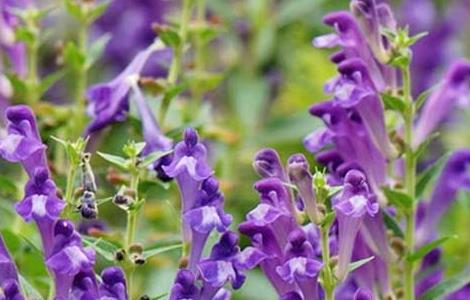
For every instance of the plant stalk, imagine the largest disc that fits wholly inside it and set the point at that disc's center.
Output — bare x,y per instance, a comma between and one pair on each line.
410,183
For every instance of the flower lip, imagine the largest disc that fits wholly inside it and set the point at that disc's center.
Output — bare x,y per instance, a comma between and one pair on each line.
459,72
113,275
267,163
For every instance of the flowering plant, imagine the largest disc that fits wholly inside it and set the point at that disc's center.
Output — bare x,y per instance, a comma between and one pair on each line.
134,165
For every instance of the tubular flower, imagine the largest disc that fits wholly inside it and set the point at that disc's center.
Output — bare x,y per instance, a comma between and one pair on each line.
453,88
298,169
108,102
453,177
351,208
8,275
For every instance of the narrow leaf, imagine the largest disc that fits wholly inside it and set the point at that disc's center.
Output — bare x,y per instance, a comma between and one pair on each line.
149,159
357,264
421,252
427,175
448,286
160,296
114,159
96,49
158,250
393,103
28,289
104,248
398,198
49,80
392,224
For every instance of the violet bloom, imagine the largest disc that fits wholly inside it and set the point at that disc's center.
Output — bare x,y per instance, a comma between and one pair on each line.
353,146
452,89
85,286
23,143
363,294
298,169
130,25
453,177
155,140
207,215
372,16
352,206
184,286
108,102
432,271
353,43
226,264
14,50
114,284
300,267
190,168
268,226
8,275
354,89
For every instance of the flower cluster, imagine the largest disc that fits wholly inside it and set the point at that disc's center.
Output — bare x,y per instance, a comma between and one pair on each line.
65,256
201,213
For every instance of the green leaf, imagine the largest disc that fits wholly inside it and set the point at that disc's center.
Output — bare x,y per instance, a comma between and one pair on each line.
116,160
158,250
149,159
448,286
392,224
428,174
49,80
398,198
73,8
425,145
424,96
104,248
97,11
9,187
28,289
357,264
96,50
422,251
132,149
393,103
328,219
25,35
160,296
169,36
73,56
204,81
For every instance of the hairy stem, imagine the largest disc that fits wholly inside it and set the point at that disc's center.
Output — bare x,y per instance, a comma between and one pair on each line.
410,182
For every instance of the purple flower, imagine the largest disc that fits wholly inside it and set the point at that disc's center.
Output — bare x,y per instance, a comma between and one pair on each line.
453,177
353,205
432,271
227,264
23,143
129,23
353,43
9,22
300,267
8,275
439,105
189,167
363,294
184,286
298,169
268,164
85,286
353,146
114,284
268,226
108,102
372,15
154,138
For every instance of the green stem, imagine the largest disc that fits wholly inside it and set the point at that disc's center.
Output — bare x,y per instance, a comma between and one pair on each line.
176,63
69,189
132,215
410,183
328,279
81,79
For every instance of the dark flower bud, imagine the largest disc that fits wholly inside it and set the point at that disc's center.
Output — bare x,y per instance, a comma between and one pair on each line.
120,199
120,255
63,227
190,137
